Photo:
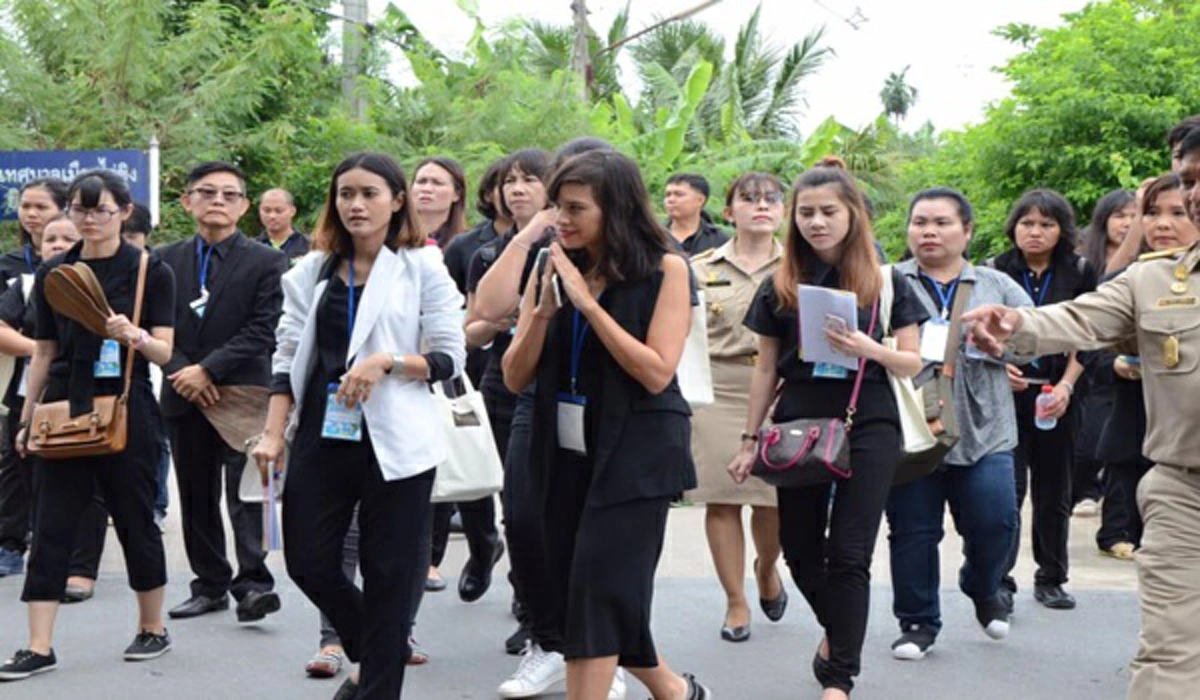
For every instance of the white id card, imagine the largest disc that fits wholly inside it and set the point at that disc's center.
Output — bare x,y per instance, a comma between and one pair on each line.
109,364
23,387
934,335
197,305
570,425
341,423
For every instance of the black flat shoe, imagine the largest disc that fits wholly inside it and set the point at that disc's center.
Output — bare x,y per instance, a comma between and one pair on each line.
348,691
821,668
256,605
198,605
77,594
774,609
473,582
1053,597
735,634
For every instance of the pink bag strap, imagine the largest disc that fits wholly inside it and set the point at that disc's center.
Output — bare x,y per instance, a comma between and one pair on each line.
862,366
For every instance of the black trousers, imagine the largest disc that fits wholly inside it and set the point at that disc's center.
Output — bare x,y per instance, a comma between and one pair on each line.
323,486
16,490
1120,520
1044,460
89,541
524,530
833,570
1085,479
128,482
201,459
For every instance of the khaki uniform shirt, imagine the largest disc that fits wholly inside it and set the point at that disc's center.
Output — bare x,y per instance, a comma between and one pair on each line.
728,291
1155,303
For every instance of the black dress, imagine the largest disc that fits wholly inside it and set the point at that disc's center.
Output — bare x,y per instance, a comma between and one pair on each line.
606,511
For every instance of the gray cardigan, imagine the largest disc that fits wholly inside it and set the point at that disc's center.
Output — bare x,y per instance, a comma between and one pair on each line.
983,400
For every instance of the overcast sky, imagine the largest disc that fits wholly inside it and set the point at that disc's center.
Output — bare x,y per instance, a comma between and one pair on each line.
948,43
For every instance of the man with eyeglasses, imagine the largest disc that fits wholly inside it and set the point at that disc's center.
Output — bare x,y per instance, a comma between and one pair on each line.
276,210
229,300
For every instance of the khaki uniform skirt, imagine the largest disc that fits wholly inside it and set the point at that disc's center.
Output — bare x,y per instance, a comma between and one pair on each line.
716,438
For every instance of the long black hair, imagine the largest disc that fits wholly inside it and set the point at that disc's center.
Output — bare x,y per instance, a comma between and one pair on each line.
1093,244
1050,204
634,241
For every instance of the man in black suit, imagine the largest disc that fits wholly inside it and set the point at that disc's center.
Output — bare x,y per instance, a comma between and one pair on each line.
228,303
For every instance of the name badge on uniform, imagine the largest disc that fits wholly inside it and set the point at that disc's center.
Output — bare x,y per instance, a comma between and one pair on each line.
109,364
825,370
934,335
341,423
571,433
197,305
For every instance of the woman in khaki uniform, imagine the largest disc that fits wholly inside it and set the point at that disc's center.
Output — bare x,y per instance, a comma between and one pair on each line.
730,275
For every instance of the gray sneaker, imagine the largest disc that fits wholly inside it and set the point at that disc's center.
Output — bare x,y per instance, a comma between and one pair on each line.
148,645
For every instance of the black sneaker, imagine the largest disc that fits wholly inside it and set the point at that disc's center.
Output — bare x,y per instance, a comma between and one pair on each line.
26,663
1053,597
913,644
148,645
992,615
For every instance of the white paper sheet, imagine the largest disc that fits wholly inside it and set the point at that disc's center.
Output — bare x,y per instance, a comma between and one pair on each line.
815,304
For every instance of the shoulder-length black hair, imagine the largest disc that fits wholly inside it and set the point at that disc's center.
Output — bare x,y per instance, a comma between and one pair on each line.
456,219
530,161
331,234
1093,244
56,188
1048,203
485,203
634,242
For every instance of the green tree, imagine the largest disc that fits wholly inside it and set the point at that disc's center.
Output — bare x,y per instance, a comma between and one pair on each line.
897,95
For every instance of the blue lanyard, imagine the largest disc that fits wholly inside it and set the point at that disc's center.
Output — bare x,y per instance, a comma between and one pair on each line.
29,258
350,302
1040,299
578,335
945,293
204,258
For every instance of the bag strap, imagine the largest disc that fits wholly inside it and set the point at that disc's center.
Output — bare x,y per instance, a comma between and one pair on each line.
952,337
137,322
862,367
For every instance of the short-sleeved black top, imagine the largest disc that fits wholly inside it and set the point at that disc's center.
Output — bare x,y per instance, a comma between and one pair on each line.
19,316
118,276
801,389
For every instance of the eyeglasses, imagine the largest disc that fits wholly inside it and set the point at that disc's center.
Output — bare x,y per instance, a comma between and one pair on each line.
209,194
99,215
756,197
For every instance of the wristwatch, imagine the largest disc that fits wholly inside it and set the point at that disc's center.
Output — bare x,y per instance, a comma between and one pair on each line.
397,362
749,436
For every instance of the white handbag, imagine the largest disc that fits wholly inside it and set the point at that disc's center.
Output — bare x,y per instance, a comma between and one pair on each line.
473,470
909,402
695,371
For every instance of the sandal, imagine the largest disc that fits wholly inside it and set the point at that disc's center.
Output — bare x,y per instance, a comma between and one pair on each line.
1120,550
418,656
324,664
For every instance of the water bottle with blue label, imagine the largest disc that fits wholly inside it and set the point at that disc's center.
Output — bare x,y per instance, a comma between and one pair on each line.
1042,418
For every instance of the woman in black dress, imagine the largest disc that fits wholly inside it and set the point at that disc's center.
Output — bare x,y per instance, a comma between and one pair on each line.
602,328
69,362
830,244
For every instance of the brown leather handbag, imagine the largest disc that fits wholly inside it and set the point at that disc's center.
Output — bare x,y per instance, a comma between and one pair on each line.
53,432
73,291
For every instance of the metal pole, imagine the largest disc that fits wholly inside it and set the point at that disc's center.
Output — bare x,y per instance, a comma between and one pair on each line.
155,169
352,46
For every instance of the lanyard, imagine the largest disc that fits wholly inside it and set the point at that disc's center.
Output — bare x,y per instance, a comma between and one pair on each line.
350,301
204,258
1040,299
29,258
945,292
578,335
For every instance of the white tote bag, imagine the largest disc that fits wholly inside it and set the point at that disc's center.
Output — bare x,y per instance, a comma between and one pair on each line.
909,403
473,469
695,372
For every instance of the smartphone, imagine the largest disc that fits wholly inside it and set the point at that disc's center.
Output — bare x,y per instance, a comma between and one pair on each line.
837,324
539,271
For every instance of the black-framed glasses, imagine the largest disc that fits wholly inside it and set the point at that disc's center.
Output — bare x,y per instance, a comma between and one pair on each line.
100,215
210,194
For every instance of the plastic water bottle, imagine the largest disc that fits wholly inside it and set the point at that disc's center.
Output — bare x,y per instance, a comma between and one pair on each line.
1042,419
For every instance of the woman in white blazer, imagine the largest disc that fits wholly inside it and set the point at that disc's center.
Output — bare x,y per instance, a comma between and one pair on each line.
364,432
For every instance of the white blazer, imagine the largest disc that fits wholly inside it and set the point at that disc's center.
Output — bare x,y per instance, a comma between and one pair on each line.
410,302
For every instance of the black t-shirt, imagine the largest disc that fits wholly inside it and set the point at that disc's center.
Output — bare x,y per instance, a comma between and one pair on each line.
18,315
801,389
492,382
158,312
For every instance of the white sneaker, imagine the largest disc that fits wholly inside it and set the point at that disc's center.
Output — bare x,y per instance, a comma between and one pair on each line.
1087,508
539,672
617,691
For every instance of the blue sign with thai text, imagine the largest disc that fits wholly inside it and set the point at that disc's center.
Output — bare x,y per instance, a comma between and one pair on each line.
20,167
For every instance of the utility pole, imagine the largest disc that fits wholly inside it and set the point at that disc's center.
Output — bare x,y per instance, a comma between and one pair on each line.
580,62
353,35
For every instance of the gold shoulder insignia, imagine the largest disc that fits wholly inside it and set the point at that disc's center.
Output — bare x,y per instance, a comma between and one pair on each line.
1161,254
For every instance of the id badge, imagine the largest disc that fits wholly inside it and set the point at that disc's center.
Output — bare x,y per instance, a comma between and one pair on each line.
934,335
341,423
570,423
824,370
23,387
109,364
197,305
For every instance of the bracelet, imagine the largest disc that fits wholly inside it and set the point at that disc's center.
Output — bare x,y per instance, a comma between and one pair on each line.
142,339
749,436
1070,387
